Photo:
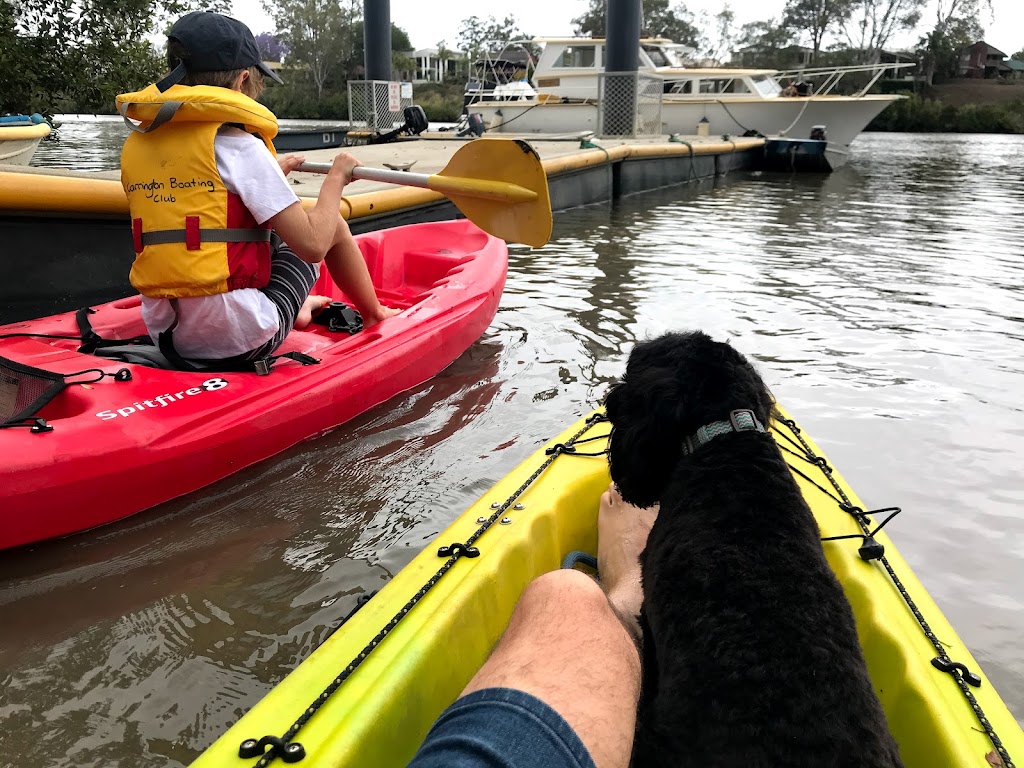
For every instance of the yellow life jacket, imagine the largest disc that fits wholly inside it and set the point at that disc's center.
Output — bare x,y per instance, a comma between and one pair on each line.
192,237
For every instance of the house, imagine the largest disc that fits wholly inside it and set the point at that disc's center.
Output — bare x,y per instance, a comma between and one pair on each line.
982,60
1016,69
790,57
434,66
907,74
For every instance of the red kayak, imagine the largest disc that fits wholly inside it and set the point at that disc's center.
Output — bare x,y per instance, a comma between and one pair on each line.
106,447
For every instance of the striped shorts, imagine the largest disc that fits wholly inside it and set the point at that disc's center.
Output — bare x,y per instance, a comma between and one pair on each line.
291,280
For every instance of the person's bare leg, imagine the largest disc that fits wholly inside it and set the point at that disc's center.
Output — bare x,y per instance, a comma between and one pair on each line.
348,268
310,307
566,645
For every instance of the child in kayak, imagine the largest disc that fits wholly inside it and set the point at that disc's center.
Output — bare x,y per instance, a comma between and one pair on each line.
225,254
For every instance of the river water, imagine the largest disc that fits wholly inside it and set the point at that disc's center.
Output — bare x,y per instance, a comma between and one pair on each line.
883,304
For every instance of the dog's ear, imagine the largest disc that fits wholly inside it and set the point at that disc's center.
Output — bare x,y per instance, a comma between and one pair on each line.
645,441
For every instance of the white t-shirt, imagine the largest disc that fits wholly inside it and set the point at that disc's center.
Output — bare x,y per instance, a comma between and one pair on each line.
232,323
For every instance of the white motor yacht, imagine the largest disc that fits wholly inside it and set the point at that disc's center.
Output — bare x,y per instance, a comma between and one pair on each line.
563,96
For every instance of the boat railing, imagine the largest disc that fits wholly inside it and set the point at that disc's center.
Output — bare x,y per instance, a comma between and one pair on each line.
833,75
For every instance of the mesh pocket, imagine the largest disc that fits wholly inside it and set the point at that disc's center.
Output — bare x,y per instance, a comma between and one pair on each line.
24,390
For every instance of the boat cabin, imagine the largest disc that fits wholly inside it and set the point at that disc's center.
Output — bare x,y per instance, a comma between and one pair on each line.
569,68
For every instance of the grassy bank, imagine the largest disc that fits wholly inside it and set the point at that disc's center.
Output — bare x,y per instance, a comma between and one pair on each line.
958,106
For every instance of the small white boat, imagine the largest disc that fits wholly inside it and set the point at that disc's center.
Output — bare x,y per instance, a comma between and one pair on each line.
19,137
563,95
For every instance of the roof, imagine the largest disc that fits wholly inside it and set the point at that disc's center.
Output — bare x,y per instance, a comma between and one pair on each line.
991,48
589,40
1016,66
423,52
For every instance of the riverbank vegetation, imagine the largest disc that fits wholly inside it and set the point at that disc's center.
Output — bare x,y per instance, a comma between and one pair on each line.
77,55
919,114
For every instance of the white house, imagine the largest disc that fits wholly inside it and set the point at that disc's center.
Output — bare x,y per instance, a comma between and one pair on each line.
430,68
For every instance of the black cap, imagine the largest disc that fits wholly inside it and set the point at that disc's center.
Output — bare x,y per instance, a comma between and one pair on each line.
214,43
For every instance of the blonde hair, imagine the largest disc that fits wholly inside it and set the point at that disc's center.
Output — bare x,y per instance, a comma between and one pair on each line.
252,86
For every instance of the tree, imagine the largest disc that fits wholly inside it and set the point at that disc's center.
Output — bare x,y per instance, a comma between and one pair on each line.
816,18
761,43
477,35
719,43
400,47
443,54
1018,56
79,54
956,27
313,30
871,24
660,20
271,47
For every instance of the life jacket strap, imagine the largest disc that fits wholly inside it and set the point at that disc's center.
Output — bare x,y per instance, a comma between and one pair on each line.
194,236
165,113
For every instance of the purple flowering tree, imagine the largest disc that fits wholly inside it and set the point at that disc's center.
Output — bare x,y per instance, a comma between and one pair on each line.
271,47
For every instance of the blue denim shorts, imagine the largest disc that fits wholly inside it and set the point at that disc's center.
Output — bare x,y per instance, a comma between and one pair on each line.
501,728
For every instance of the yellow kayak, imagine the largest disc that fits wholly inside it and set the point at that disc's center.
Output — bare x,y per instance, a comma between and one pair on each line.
370,692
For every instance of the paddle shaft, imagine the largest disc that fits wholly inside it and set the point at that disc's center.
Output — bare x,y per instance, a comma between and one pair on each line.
480,188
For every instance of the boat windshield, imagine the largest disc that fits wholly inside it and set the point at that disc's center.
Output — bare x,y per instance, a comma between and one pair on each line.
576,57
665,55
766,86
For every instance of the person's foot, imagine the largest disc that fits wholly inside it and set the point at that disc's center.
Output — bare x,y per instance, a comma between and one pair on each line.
310,307
622,531
383,314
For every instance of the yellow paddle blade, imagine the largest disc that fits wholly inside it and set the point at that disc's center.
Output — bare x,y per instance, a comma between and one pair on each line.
500,185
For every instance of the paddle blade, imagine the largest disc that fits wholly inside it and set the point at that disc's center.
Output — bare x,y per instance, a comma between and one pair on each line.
515,217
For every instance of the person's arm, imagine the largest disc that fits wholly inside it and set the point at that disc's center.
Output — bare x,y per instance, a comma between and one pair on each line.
311,233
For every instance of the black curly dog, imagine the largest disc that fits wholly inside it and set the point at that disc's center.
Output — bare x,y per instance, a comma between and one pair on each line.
750,653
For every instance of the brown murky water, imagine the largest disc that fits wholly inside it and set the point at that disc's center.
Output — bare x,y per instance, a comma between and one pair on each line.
885,308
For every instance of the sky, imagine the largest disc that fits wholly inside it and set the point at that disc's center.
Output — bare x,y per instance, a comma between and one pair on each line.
427,23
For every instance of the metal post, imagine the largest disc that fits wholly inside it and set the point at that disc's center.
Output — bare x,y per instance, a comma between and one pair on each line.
377,39
621,55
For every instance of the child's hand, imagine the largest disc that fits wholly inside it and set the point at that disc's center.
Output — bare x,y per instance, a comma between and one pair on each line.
289,163
343,164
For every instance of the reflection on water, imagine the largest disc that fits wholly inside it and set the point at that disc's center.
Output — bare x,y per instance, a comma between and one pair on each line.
882,304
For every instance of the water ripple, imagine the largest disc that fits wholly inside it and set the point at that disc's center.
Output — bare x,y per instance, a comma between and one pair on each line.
882,304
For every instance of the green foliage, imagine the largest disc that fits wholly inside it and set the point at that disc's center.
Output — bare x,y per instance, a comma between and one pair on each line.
477,35
922,115
872,23
762,43
77,55
300,100
1018,56
442,102
316,34
816,17
660,20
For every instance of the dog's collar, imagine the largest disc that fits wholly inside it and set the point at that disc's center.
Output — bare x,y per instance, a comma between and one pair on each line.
739,421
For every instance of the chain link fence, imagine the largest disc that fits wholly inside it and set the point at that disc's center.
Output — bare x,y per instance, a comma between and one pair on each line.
630,104
377,105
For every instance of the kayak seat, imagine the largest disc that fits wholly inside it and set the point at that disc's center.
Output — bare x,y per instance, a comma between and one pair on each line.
139,354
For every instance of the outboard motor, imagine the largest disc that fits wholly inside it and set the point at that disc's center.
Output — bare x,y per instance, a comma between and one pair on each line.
415,124
415,120
818,133
474,125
